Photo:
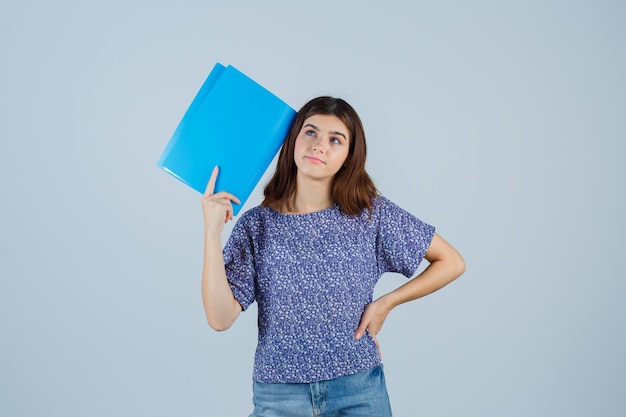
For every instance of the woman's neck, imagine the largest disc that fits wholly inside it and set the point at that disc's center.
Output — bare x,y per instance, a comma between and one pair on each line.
311,196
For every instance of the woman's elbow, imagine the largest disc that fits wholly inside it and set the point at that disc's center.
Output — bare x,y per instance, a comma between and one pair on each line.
221,319
458,265
219,325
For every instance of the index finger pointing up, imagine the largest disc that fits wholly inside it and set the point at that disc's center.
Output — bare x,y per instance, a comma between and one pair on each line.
210,187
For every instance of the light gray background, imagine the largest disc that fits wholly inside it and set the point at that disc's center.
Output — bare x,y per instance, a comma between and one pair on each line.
502,123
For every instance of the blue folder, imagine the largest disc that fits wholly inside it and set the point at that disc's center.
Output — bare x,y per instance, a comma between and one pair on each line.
234,123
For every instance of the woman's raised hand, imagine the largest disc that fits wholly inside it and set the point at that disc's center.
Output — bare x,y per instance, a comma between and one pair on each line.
217,208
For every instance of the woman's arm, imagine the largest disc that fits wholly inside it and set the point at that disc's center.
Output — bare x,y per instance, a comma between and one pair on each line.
446,264
220,305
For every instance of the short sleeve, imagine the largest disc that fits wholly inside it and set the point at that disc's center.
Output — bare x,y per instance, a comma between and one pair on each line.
239,263
403,239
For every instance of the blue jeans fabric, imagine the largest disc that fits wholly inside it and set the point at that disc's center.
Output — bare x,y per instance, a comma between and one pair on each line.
363,394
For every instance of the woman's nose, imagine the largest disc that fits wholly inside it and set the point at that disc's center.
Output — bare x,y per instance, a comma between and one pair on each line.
318,145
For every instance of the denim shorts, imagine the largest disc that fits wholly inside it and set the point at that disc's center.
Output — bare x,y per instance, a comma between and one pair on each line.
363,394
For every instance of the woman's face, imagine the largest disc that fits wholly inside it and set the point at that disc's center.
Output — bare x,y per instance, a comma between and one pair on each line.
321,147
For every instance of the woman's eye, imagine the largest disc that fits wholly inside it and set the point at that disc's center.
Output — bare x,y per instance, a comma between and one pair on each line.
310,133
335,140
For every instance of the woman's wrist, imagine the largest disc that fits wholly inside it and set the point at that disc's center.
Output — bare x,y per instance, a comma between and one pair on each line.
388,301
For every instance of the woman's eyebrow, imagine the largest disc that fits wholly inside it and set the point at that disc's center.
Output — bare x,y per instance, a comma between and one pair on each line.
332,133
338,133
312,125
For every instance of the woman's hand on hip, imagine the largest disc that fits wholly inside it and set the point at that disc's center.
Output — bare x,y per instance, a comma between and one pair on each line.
372,320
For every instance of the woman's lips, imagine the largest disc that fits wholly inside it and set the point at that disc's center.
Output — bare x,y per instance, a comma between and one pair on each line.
314,160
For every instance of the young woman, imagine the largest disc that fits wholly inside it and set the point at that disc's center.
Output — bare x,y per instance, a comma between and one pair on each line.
310,256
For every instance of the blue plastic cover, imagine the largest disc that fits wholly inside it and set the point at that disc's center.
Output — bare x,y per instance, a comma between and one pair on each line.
234,123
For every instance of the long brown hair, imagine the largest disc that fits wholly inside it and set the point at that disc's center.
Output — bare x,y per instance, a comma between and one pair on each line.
352,187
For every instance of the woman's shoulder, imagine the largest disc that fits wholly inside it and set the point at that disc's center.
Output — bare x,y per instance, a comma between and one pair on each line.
254,215
381,203
383,207
251,223
378,206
